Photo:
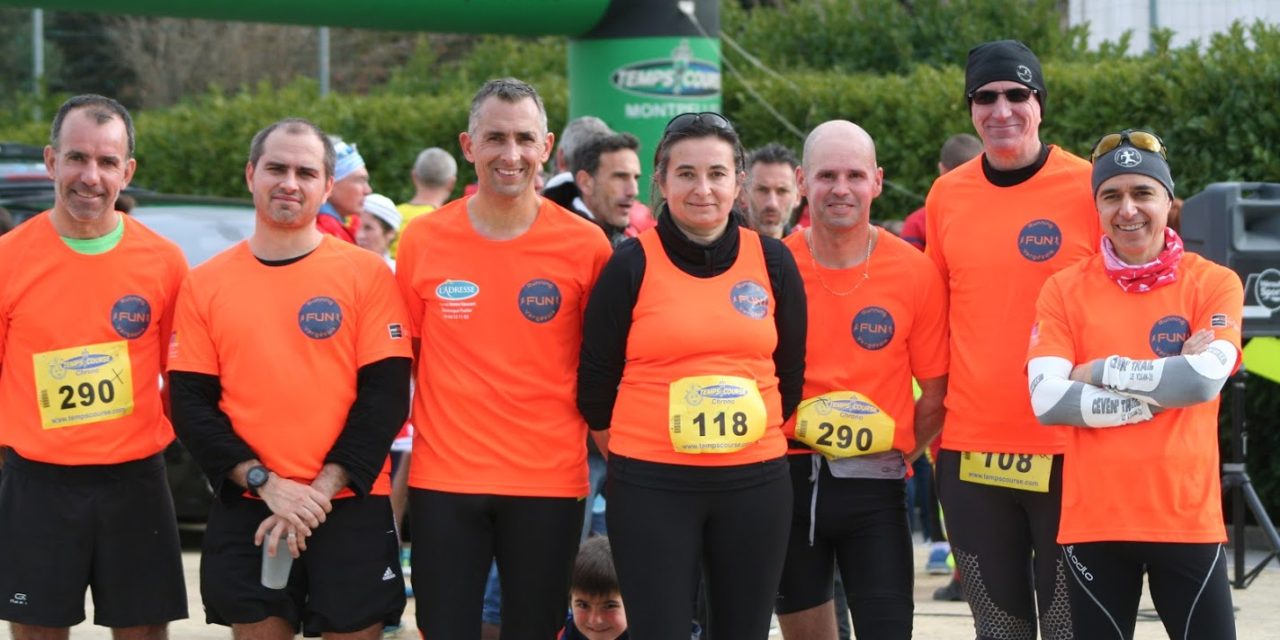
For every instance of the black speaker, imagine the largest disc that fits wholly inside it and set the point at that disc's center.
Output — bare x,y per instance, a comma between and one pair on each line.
1237,225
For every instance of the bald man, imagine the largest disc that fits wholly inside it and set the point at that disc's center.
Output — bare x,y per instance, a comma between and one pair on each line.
877,317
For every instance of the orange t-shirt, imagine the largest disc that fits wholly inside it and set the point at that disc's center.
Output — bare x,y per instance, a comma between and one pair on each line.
995,247
683,326
875,338
287,342
1155,481
82,344
501,328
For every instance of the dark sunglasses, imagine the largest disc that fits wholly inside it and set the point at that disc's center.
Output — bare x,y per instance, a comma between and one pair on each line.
686,120
987,96
1144,140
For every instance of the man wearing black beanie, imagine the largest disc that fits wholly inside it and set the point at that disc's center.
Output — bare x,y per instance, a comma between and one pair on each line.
998,226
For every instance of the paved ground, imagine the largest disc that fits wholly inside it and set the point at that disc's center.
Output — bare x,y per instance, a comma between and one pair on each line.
1258,609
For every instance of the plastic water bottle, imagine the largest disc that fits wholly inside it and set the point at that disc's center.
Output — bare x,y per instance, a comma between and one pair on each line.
275,570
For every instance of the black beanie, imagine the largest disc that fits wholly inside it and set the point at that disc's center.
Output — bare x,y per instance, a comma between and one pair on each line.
1004,60
1127,158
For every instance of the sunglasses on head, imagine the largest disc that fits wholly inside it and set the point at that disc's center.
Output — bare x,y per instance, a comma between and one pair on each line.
1144,140
686,120
987,96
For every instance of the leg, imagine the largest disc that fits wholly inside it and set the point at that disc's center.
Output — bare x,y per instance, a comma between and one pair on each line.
33,632
369,633
138,579
743,571
352,564
1053,600
43,550
452,551
1105,585
875,551
145,632
269,629
804,603
992,545
537,539
656,536
1190,590
814,623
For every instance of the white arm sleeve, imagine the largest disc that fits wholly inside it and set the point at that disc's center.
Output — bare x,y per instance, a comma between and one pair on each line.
1058,400
1179,381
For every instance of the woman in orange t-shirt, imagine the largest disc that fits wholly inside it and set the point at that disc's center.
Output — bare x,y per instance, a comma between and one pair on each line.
692,358
1132,346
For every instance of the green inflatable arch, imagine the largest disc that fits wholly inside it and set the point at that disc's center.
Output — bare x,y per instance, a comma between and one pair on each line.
633,63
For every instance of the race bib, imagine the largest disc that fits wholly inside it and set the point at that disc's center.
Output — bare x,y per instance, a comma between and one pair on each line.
843,424
83,385
1023,471
715,414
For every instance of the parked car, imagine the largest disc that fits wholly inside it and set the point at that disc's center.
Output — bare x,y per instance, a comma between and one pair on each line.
201,227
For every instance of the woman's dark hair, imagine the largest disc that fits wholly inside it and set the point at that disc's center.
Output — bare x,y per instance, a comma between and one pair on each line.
690,126
593,572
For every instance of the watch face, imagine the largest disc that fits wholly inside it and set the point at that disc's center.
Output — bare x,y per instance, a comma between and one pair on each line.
256,477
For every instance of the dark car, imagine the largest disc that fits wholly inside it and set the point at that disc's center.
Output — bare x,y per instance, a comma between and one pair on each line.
201,227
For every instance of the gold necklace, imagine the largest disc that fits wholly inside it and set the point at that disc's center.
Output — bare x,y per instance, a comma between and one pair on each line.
866,263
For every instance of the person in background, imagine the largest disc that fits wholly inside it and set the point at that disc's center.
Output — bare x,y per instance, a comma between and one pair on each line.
771,193
340,215
379,226
434,174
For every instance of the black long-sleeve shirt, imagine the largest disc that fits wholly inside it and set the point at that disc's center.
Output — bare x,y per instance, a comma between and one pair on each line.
607,321
379,410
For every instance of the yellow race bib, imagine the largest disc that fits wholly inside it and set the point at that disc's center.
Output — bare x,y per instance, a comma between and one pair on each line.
843,424
715,414
1023,471
85,384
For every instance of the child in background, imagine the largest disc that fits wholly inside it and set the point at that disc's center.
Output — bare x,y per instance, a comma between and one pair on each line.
598,613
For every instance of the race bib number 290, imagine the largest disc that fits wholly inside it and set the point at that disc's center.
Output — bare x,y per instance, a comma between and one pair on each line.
83,385
715,414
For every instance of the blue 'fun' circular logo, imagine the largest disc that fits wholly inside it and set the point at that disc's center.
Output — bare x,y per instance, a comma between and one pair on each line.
130,316
1168,334
873,328
1039,240
320,317
539,300
750,299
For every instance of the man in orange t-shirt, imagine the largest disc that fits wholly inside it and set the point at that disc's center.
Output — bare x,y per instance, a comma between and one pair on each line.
289,367
85,307
997,227
1135,372
496,284
877,317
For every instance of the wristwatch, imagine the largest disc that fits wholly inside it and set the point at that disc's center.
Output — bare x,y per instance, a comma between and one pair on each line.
255,477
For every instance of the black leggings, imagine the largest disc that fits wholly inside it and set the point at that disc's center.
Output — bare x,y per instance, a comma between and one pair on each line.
457,536
862,525
1188,585
1005,546
659,536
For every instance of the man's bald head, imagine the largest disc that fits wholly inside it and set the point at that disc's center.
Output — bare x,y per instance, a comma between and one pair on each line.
837,132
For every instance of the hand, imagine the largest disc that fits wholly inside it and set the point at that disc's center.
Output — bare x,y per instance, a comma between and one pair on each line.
270,532
1198,342
299,505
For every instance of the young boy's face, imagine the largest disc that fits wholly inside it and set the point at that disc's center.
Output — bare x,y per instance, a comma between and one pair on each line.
599,617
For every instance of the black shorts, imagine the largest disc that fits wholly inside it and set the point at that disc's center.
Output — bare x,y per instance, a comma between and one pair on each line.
109,528
861,525
348,579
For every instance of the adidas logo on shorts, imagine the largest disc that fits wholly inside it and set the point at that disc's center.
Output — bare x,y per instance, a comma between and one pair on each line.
388,575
